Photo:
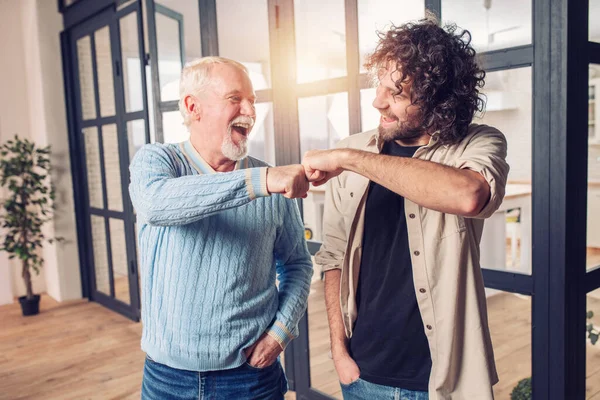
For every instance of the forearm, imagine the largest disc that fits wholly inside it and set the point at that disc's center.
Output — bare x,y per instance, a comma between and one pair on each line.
337,331
294,271
294,286
429,184
162,200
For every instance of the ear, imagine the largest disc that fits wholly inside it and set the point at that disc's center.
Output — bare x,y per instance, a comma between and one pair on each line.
192,107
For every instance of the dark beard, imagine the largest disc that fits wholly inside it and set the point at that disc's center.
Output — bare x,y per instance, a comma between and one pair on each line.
402,132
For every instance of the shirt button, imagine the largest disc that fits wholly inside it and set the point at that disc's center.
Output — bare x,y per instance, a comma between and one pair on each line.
429,327
412,215
351,194
422,290
416,253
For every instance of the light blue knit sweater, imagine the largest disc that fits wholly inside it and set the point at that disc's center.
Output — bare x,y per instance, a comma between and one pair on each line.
211,247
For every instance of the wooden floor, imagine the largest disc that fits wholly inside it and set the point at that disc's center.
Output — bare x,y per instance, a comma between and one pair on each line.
80,350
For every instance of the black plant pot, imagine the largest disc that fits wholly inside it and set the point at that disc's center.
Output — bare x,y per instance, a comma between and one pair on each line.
30,307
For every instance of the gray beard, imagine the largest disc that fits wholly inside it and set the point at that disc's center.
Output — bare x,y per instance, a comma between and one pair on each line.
232,151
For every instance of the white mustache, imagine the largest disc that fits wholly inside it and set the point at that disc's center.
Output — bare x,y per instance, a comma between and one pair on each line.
242,119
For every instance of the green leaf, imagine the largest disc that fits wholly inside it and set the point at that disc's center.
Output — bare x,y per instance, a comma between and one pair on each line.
589,314
593,338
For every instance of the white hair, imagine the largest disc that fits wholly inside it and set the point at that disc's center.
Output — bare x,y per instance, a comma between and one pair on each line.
195,78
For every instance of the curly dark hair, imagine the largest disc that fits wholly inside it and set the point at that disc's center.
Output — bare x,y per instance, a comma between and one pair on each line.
441,64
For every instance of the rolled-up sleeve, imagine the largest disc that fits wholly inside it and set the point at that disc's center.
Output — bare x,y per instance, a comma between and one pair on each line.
485,154
333,249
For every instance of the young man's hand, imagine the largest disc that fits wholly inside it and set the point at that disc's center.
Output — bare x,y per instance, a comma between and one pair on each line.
289,180
346,368
263,353
322,165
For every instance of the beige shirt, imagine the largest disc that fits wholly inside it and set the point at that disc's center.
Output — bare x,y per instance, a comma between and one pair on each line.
444,250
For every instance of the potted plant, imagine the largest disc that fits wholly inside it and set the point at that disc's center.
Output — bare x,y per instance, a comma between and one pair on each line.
523,389
24,172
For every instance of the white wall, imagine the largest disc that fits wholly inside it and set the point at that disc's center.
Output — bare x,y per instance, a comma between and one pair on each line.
32,105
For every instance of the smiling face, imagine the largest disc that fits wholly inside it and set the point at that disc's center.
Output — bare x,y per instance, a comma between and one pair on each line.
225,112
400,118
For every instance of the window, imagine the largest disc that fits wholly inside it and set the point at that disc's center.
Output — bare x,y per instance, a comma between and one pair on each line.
493,24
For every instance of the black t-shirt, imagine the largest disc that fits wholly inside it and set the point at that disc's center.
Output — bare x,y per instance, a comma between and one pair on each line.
389,343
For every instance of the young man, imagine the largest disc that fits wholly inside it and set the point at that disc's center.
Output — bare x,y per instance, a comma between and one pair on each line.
403,219
216,229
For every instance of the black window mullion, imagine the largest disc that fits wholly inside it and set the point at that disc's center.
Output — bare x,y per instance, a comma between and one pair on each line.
592,279
166,106
435,6
111,276
594,52
508,281
153,44
135,115
208,27
107,213
560,108
513,57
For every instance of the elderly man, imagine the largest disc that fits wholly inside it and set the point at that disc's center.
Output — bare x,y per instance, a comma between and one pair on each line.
216,228
404,215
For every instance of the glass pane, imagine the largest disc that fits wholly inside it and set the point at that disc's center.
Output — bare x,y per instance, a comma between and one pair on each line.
92,162
369,116
594,21
174,130
593,200
132,66
112,167
323,376
136,136
105,72
493,24
188,11
378,15
261,143
251,48
592,386
509,317
323,121
86,78
320,39
100,254
506,241
119,259
169,56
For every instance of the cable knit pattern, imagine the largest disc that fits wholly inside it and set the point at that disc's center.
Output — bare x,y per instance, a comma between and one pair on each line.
211,247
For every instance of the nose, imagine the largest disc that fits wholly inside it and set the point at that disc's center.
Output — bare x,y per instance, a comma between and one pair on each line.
248,109
379,101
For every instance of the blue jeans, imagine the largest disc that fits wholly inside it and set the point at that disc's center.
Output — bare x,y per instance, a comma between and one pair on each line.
161,382
363,390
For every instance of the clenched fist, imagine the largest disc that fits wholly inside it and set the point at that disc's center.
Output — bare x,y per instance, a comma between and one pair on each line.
289,180
322,165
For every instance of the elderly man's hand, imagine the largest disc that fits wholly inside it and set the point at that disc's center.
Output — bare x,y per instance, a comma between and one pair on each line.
289,180
322,165
263,353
